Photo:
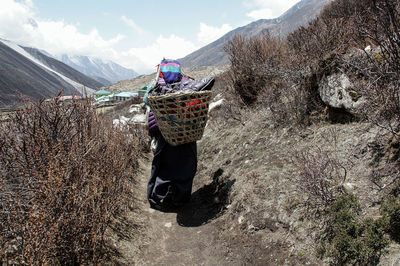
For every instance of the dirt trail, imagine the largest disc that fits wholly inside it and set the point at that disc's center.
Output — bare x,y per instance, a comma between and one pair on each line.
185,237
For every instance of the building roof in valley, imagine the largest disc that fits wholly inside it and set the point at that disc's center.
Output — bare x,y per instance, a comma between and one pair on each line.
102,92
126,94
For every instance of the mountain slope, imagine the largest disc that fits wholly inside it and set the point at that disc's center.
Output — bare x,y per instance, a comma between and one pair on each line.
101,70
24,74
64,69
299,15
21,76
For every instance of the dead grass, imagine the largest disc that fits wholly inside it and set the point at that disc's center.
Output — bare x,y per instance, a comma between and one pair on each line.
267,201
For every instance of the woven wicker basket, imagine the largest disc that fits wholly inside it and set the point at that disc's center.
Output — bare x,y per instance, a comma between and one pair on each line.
182,116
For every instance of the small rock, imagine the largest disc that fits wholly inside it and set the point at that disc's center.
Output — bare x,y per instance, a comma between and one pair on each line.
251,228
348,186
169,225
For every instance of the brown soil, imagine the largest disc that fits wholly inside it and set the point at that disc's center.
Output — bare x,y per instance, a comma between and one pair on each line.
184,237
247,208
191,236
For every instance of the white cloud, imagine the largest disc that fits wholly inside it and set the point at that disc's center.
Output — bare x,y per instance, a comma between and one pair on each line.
14,18
267,9
209,34
132,24
164,47
19,23
57,37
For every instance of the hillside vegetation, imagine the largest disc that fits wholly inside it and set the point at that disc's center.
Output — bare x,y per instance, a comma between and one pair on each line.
284,178
320,174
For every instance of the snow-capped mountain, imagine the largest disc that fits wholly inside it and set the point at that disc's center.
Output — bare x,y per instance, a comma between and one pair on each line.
99,69
29,72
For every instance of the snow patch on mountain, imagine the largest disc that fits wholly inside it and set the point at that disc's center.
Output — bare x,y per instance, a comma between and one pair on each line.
79,87
98,68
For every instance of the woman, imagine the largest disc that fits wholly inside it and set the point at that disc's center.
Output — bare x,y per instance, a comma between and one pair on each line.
173,167
172,173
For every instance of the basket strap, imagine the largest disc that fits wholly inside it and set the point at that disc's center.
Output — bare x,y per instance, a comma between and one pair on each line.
151,84
158,72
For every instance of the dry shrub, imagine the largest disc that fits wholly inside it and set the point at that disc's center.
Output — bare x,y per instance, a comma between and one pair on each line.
329,34
328,43
321,177
320,39
140,133
315,51
285,75
64,176
378,24
137,131
232,105
262,76
256,65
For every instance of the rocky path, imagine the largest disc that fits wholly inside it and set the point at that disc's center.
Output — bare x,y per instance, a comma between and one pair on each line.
185,237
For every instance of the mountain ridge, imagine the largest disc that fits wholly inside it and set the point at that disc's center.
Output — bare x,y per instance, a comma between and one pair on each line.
299,15
104,71
30,73
63,68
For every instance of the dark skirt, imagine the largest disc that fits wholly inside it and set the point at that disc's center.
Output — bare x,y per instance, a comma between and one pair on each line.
172,173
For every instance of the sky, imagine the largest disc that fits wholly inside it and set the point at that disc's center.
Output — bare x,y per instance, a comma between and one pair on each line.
135,34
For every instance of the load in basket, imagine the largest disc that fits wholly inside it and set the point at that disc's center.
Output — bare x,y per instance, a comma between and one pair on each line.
181,116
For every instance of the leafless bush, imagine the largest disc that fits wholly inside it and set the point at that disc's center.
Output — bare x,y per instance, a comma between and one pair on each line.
262,75
321,177
285,75
64,175
314,52
232,105
256,65
387,177
137,130
327,35
322,37
378,25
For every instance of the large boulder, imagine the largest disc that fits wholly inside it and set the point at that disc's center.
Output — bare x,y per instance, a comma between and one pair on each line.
336,91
